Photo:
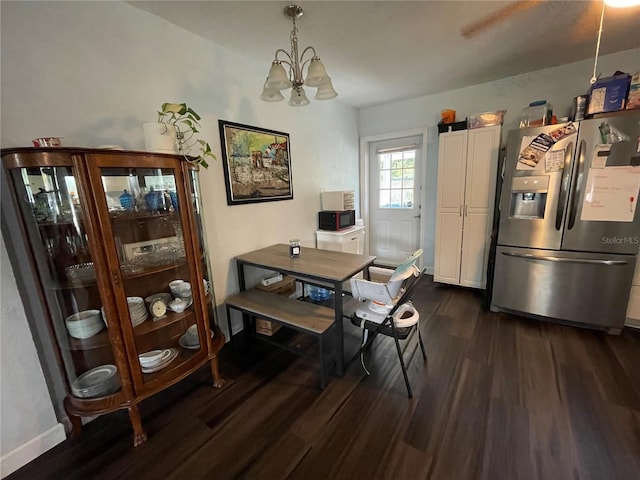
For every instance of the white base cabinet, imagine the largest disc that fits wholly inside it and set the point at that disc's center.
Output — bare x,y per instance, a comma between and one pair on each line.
467,170
349,240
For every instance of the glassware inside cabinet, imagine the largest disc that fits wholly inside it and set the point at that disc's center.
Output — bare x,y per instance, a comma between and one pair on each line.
53,217
145,220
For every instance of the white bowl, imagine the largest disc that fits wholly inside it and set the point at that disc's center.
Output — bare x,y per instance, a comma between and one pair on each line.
84,324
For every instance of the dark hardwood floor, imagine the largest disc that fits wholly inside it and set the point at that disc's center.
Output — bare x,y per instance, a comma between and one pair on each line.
500,397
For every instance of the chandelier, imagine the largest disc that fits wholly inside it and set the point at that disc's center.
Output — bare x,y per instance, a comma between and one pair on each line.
279,79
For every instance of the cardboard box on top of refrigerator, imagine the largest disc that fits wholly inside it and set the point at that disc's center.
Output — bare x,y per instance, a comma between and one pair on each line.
609,94
633,99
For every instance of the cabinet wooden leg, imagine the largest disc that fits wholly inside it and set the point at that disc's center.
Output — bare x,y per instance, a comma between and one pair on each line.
139,436
76,421
218,381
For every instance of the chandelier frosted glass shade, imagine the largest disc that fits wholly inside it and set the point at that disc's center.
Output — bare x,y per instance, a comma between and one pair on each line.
278,78
271,94
281,78
326,91
317,74
298,97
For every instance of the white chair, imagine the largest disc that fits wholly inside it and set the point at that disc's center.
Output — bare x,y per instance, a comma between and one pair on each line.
386,309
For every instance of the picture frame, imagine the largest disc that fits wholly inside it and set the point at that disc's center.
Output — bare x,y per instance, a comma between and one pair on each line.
257,163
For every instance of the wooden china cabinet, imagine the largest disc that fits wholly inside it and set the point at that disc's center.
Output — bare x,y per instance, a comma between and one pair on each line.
108,231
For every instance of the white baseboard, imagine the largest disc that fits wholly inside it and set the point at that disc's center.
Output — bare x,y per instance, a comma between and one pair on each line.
20,456
632,322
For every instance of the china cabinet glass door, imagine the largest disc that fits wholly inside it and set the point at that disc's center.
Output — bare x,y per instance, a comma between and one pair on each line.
158,280
60,241
202,243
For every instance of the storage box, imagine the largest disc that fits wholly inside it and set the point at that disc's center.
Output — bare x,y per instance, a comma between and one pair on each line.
633,99
486,119
609,94
265,327
286,287
452,127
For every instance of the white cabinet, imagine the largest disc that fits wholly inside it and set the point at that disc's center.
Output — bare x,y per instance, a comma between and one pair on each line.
467,170
349,240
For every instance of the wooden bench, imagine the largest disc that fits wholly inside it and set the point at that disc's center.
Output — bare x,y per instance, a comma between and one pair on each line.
309,318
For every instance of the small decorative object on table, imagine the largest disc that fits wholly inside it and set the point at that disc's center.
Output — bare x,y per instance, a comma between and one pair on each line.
294,248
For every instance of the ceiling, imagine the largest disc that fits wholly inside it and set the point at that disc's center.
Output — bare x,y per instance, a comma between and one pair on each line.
379,52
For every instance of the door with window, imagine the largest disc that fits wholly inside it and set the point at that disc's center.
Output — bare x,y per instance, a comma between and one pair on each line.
394,198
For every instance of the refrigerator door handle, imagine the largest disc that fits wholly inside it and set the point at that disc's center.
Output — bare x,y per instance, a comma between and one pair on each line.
530,256
564,187
576,190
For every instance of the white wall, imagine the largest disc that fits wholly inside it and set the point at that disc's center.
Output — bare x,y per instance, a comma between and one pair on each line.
93,72
557,85
35,429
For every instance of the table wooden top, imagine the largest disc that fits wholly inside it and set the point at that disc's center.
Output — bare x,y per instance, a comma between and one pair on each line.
323,264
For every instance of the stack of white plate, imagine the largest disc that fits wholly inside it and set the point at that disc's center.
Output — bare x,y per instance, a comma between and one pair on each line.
97,382
137,310
84,324
157,359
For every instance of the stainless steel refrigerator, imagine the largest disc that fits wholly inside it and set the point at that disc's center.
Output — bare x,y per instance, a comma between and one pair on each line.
569,228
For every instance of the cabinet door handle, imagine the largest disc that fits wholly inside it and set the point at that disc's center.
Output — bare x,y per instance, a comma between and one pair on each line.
460,210
466,213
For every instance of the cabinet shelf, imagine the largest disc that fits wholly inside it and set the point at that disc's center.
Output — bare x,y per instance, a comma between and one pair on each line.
101,339
151,325
129,216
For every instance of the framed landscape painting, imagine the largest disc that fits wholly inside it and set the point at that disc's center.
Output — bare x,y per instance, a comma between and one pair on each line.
257,163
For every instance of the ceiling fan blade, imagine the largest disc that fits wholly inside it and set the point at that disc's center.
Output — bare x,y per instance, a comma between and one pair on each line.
499,15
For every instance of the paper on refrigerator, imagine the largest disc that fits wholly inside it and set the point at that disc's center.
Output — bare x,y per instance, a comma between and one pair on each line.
611,194
535,149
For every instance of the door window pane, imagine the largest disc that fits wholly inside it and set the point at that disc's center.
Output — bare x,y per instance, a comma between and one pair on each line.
396,179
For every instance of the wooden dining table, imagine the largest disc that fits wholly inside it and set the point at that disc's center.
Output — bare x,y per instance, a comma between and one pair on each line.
327,267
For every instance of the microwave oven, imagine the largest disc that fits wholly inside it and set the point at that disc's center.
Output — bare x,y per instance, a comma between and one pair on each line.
336,219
